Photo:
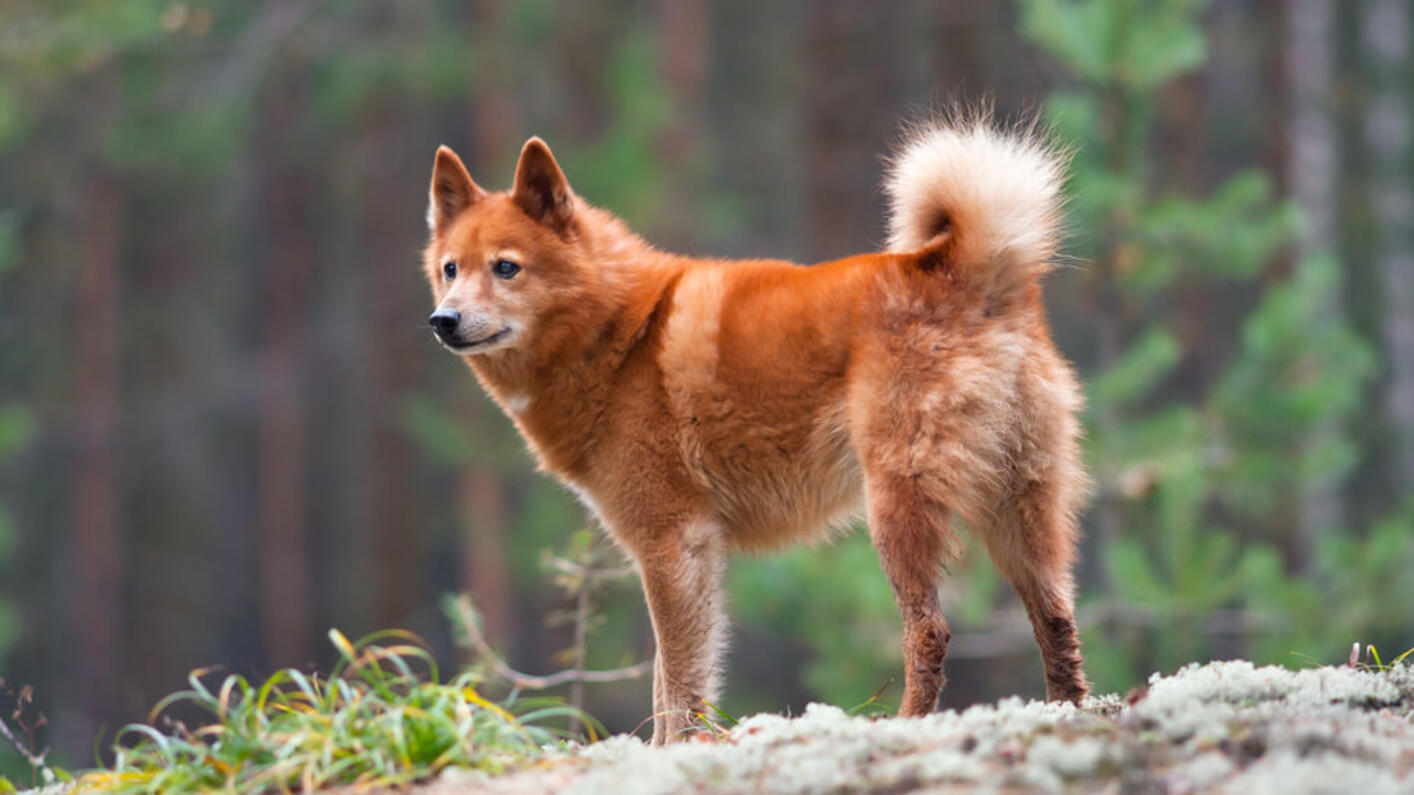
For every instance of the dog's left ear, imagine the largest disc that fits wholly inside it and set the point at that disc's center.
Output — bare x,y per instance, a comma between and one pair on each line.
541,189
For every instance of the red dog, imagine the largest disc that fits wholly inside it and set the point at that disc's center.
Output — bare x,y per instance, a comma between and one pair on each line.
701,406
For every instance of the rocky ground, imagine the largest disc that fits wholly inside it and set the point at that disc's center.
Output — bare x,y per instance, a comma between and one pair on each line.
1220,727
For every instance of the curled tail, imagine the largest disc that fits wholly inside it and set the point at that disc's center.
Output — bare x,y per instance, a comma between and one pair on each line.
990,198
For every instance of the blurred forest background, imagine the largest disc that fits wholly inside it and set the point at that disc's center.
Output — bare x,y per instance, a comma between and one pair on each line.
225,428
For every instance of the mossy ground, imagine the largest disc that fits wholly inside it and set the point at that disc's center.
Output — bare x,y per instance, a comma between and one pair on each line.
1220,727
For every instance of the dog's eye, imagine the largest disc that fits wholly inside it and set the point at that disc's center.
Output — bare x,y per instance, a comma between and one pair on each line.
505,268
449,271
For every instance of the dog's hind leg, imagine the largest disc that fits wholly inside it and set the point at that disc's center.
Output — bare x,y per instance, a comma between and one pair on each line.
1032,543
912,536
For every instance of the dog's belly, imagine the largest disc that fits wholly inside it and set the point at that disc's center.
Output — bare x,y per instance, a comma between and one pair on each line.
777,484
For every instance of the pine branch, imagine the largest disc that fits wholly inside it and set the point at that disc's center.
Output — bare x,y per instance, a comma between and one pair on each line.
465,615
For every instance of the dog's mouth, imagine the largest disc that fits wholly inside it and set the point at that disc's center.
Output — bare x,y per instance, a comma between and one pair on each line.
468,346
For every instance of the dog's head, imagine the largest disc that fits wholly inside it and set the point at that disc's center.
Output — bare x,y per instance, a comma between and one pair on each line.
500,263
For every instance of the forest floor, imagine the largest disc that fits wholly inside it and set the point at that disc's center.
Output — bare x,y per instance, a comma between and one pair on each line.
1220,727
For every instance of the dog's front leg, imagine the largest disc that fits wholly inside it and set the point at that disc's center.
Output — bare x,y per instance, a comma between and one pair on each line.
681,570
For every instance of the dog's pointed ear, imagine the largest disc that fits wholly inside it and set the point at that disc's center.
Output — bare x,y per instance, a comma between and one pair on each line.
541,189
452,190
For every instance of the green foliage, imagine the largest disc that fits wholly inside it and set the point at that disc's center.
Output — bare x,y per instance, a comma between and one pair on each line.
1293,374
1231,234
1138,44
1358,587
1203,483
373,722
9,242
13,118
835,600
620,170
450,439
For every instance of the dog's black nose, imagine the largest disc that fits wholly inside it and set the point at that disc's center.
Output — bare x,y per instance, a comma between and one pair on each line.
445,322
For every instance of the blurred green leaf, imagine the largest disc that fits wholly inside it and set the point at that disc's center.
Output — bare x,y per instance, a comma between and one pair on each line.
1164,42
7,536
1130,569
9,241
1080,34
13,117
440,435
9,626
1138,44
17,428
1138,370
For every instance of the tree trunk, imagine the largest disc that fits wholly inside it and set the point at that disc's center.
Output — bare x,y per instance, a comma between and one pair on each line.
485,569
1312,170
397,301
683,36
284,291
1385,39
1276,110
827,114
850,75
955,48
97,552
493,108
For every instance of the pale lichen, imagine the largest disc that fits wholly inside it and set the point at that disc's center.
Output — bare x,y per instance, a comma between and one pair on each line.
1219,727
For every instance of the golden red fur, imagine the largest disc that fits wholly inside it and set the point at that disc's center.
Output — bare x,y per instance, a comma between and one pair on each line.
703,406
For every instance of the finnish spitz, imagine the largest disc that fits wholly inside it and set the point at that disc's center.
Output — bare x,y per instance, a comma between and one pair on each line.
705,406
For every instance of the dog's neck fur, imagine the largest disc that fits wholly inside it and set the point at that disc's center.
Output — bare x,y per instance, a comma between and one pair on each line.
556,390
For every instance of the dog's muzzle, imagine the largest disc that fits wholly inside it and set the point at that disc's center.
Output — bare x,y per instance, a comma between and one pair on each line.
447,325
444,324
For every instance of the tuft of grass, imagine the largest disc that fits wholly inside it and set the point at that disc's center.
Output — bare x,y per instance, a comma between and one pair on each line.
1373,661
381,718
719,722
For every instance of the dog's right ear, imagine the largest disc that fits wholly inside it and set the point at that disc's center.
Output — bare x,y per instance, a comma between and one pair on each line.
452,190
